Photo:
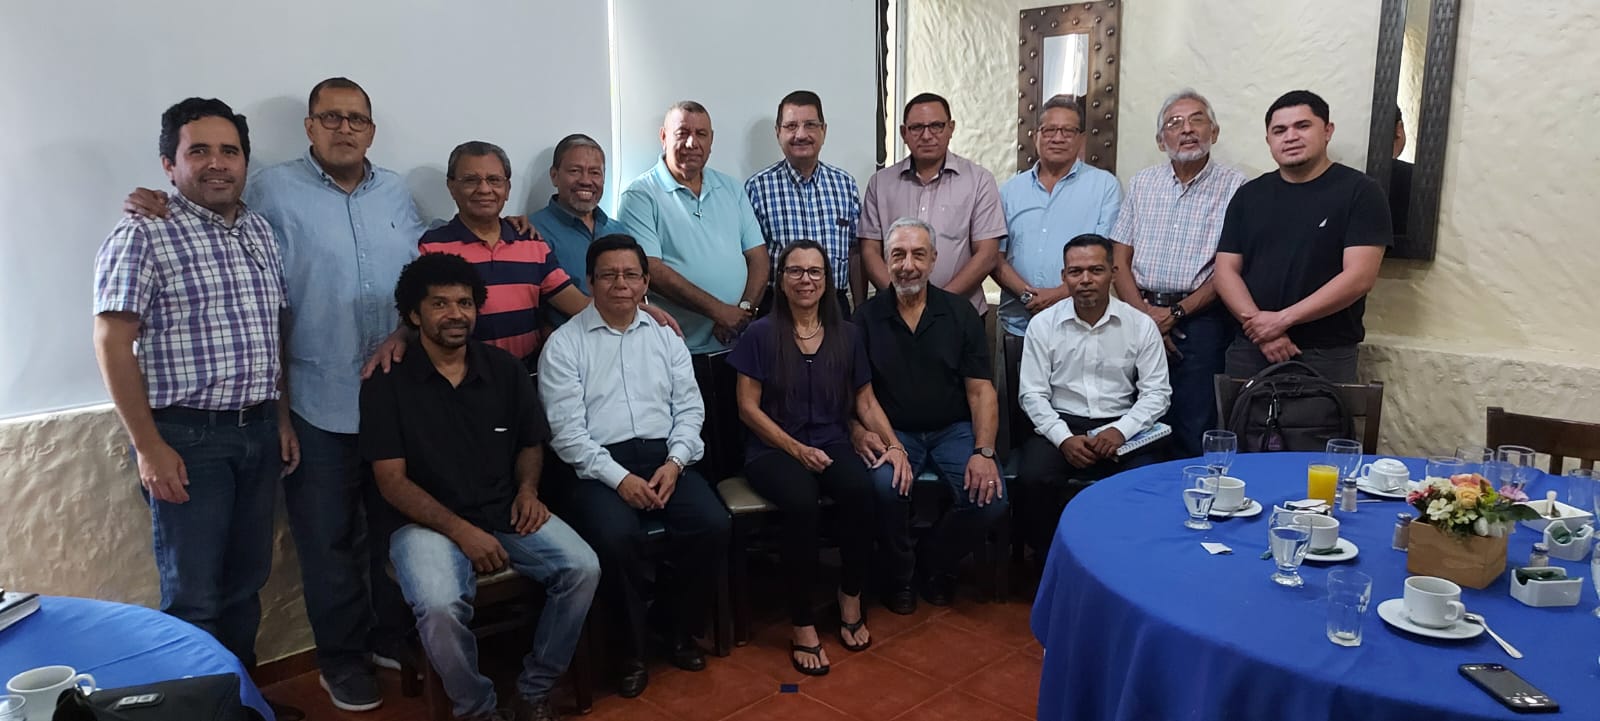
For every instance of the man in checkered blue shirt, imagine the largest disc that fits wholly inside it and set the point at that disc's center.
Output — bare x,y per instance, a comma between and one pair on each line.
201,292
803,198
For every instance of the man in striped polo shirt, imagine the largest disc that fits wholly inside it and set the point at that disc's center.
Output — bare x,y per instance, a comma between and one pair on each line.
518,266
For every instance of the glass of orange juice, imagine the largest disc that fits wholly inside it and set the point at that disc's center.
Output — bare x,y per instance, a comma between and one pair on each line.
1322,481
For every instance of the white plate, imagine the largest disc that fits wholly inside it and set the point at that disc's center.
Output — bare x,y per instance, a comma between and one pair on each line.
1393,612
1371,490
1250,510
1344,544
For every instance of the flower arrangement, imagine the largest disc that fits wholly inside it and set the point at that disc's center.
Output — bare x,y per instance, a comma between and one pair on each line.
1467,505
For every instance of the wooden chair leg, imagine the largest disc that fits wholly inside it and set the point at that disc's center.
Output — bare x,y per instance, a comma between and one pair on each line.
435,699
410,671
722,612
739,581
1002,559
582,670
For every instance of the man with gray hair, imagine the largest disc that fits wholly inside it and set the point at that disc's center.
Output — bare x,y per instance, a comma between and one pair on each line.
1166,245
931,374
1058,199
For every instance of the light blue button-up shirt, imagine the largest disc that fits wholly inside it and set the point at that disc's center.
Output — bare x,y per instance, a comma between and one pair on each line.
342,253
1039,224
701,237
602,386
570,238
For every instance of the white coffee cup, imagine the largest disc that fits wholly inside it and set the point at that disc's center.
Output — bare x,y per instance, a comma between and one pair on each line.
1387,474
1230,494
1433,602
1324,529
41,686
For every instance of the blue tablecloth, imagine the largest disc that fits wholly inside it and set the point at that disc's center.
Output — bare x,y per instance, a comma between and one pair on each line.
1139,622
118,644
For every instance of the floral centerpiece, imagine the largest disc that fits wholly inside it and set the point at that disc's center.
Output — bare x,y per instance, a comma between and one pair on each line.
1461,528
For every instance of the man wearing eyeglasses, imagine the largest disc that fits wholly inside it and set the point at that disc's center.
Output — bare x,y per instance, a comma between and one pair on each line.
1058,199
625,414
803,198
1166,247
954,195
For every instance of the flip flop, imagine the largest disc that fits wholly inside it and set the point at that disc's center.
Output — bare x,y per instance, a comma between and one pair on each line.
814,651
853,628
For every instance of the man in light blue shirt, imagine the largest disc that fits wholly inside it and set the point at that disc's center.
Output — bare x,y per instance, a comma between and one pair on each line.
708,263
626,415
573,219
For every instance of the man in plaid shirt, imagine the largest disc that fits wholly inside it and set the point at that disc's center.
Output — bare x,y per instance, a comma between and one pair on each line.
201,292
1166,244
803,198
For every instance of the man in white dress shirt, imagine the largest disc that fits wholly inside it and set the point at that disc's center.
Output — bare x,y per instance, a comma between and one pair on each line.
1094,374
625,415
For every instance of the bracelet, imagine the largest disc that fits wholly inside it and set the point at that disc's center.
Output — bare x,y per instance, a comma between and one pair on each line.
897,448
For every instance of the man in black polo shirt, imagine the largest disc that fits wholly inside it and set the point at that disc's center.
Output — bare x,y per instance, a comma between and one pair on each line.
1300,249
454,432
930,369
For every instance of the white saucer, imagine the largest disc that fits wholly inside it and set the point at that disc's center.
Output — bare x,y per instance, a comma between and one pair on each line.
1344,544
1371,490
1393,612
1250,510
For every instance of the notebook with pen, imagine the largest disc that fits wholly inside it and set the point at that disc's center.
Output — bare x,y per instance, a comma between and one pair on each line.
1141,439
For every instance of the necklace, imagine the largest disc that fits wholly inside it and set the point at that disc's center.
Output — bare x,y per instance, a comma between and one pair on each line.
803,336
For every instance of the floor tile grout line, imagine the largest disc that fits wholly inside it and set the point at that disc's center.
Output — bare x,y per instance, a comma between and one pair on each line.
748,706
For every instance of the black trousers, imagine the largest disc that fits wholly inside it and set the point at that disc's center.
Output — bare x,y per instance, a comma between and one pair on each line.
1046,481
723,433
779,478
697,537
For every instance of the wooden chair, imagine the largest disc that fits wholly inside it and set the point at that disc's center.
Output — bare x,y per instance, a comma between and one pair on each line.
1562,439
1363,400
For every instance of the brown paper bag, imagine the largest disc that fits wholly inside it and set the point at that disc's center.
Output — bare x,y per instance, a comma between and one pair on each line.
1471,561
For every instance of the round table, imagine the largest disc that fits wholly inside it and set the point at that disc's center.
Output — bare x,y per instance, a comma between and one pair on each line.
1139,622
118,644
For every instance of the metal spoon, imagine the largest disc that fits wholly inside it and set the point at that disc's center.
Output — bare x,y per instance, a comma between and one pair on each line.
1225,515
1478,619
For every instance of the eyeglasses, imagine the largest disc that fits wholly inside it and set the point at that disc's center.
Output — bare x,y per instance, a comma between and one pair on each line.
332,120
811,126
1057,131
795,272
496,182
611,277
920,128
1198,120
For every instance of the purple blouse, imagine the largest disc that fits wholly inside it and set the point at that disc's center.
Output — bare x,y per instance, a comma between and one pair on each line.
801,410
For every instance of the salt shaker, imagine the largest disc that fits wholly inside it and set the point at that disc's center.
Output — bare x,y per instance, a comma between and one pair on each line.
1540,556
1347,495
1402,531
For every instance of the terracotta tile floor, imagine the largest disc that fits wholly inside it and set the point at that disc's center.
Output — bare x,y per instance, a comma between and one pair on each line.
972,662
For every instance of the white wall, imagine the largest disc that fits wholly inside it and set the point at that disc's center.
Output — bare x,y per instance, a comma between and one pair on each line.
83,85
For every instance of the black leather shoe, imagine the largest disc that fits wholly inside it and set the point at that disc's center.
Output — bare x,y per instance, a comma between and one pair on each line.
901,601
634,678
938,590
534,710
686,654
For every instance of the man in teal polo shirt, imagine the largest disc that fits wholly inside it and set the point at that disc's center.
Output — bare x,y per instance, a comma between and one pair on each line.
708,263
573,219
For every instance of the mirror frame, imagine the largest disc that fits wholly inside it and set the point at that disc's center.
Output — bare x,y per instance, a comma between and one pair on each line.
1419,240
1101,21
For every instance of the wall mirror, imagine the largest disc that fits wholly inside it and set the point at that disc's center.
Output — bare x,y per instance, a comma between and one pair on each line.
1411,116
1071,50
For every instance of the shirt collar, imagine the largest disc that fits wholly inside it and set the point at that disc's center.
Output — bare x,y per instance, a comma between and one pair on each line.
950,166
591,320
460,231
561,211
1069,312
1033,172
421,367
206,214
311,161
889,308
794,173
1202,175
664,175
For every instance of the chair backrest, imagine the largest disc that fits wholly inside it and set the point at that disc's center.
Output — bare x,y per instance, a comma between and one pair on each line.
1562,439
1364,401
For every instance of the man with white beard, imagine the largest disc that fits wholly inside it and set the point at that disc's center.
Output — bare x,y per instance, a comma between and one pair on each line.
1166,245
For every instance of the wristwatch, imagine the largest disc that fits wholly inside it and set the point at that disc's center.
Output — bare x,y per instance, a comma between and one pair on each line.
984,451
747,306
1178,312
676,461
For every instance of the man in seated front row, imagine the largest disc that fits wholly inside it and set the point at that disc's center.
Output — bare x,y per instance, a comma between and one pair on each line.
1093,375
454,431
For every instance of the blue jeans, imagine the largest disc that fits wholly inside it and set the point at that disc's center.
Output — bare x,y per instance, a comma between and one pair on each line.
215,551
438,581
324,501
1194,398
960,531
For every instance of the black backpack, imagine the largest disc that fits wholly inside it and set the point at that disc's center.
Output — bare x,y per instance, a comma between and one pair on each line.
1289,406
197,698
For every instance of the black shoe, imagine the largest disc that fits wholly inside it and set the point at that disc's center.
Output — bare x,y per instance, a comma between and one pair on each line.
938,590
686,654
354,690
534,710
285,712
900,601
634,678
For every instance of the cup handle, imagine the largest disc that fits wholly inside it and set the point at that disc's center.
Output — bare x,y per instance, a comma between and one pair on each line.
1365,472
1455,612
79,680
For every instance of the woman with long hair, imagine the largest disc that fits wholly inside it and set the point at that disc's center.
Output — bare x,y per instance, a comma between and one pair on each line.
803,374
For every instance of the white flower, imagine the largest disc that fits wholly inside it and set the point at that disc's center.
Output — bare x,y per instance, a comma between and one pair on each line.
1440,509
1481,526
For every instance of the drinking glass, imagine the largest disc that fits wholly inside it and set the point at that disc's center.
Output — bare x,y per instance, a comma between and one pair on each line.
1345,455
1289,542
1477,459
1443,468
1580,487
11,707
1348,594
1199,493
1322,482
1516,465
1219,448
1594,573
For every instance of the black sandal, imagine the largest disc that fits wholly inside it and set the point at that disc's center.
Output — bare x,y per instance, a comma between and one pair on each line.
814,651
853,628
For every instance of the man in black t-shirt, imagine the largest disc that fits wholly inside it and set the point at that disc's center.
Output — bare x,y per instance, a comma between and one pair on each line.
1300,249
